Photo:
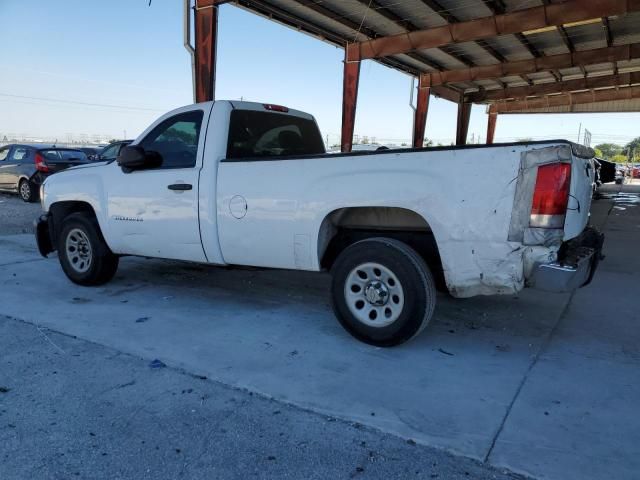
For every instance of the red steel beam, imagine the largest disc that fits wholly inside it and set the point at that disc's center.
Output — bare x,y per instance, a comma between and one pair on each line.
350,83
491,127
589,83
206,33
551,62
210,3
482,28
581,98
462,129
420,119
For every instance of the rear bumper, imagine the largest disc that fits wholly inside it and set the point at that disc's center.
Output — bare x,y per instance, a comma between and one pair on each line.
44,239
577,263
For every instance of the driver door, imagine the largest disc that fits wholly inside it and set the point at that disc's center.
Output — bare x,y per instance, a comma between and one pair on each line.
154,212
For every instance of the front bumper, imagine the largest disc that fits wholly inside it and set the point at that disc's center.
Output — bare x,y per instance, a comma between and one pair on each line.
44,239
577,263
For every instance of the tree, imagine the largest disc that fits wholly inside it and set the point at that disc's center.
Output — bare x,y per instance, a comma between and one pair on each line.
427,142
633,148
598,152
609,150
619,158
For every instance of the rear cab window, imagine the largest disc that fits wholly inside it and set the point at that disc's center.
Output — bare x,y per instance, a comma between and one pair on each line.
270,134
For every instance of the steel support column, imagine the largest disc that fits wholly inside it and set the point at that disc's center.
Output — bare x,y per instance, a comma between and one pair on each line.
349,100
420,119
491,126
206,33
464,113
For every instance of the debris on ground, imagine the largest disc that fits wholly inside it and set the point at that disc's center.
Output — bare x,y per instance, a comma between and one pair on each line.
80,300
4,389
142,319
445,352
157,364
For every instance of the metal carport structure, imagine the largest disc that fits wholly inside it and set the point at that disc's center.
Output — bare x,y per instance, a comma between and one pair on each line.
515,56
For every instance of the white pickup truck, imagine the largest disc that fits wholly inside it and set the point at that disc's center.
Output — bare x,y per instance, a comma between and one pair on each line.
239,183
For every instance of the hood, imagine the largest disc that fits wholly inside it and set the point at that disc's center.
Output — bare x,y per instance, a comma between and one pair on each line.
88,165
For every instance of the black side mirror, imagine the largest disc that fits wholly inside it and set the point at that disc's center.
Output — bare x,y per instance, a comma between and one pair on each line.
135,158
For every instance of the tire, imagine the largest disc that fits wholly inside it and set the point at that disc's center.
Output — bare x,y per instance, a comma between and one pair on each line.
84,256
386,276
27,191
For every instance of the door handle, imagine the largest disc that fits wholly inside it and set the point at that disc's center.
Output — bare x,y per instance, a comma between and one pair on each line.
180,187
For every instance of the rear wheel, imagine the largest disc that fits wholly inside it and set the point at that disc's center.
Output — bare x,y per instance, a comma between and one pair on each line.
383,292
84,256
27,190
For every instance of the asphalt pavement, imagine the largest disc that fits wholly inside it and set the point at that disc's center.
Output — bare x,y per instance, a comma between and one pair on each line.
17,216
70,408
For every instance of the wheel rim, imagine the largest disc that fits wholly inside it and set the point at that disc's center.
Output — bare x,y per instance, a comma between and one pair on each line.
25,190
78,249
374,294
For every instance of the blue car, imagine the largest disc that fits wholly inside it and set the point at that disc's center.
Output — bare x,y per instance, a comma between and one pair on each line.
23,168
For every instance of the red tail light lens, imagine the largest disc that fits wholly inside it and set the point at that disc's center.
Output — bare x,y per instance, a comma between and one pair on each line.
275,108
551,196
40,165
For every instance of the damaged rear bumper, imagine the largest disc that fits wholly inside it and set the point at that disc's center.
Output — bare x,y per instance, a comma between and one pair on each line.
577,263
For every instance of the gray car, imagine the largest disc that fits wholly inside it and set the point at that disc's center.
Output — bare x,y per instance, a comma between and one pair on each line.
23,168
111,151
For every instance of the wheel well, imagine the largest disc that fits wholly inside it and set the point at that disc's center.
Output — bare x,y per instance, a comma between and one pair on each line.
346,226
61,210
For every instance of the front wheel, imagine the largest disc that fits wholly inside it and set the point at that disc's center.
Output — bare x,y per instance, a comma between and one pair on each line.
383,292
84,256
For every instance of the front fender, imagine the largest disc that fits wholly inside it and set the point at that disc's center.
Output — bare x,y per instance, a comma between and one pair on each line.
81,186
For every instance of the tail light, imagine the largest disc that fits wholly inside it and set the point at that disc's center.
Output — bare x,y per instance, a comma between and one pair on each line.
551,196
275,108
40,165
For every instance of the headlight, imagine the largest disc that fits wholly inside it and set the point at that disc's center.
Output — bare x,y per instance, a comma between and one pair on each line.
42,196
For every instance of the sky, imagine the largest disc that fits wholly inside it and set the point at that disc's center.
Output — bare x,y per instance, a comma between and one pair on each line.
109,68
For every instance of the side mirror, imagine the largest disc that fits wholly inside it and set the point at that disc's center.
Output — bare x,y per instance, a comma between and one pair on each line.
135,158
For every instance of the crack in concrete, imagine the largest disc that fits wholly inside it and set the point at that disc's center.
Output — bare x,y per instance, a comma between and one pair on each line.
22,261
543,347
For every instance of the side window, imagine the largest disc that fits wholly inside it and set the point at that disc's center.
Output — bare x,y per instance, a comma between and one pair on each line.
176,140
110,152
19,154
4,152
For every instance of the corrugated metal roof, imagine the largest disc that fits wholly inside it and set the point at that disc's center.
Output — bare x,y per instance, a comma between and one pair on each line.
345,21
600,107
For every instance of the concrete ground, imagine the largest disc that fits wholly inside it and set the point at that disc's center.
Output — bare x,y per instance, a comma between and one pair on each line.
545,385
